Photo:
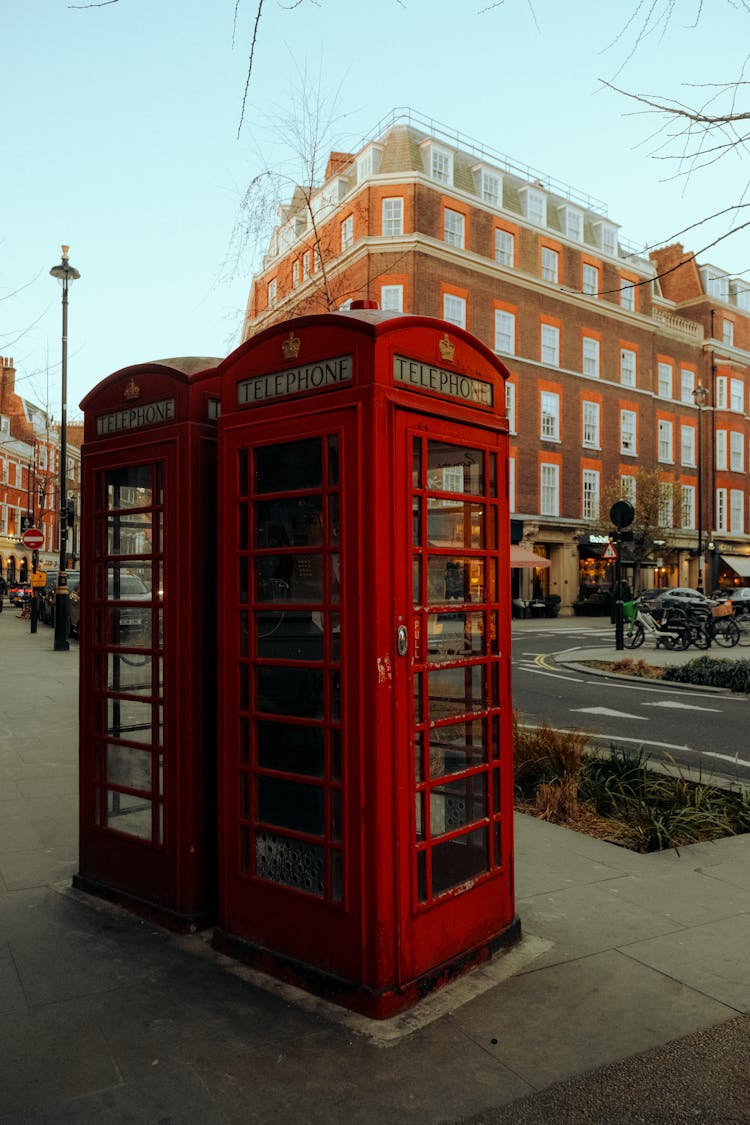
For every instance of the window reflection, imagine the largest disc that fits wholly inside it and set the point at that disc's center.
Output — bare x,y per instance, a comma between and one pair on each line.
453,523
455,578
130,487
454,468
457,747
456,691
454,635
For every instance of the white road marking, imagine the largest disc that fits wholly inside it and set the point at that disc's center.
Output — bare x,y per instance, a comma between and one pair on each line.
552,675
594,736
682,706
607,711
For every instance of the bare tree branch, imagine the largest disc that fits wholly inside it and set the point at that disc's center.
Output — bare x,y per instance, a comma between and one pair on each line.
672,106
249,65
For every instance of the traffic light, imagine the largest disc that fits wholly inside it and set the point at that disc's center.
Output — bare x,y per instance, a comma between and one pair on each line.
71,512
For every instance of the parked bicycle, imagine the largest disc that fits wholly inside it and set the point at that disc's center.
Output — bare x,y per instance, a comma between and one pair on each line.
742,621
715,623
673,631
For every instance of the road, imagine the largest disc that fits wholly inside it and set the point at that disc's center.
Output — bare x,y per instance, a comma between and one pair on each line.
701,730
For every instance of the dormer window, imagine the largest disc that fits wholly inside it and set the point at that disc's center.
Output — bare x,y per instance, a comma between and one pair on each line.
534,203
368,163
439,162
489,185
715,283
330,197
740,290
606,238
572,223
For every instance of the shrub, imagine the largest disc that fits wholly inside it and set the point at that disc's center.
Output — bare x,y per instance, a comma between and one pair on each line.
731,674
632,667
542,754
645,810
557,801
613,779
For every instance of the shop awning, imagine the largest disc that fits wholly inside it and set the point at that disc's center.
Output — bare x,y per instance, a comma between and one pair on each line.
739,563
519,556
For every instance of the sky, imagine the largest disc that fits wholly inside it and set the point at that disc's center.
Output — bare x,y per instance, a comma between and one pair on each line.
122,135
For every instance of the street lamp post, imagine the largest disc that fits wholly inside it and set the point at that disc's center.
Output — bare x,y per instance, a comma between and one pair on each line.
700,398
65,274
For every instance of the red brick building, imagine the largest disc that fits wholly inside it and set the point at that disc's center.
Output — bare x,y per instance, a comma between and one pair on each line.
605,346
29,479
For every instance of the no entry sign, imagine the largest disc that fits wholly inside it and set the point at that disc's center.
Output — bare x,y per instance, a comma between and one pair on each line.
33,538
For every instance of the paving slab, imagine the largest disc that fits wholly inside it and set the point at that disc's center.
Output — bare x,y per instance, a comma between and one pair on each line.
613,1008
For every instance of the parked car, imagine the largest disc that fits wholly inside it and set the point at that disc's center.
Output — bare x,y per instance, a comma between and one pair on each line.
50,591
740,599
684,596
19,593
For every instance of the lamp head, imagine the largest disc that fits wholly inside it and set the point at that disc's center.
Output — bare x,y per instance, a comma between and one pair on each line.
65,273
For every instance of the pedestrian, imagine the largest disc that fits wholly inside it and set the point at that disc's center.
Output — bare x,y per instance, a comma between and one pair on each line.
3,591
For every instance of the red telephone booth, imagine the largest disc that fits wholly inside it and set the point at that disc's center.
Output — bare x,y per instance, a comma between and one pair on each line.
147,641
365,777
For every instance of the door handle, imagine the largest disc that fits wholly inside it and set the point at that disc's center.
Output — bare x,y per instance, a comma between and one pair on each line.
402,640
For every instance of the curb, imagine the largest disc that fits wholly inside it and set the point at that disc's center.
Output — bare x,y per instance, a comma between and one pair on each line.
604,674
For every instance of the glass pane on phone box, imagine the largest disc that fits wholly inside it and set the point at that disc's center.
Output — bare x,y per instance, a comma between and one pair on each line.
456,691
454,635
454,579
333,459
452,523
129,767
289,467
291,748
295,522
129,487
130,719
130,535
457,747
458,803
290,804
133,674
458,861
454,468
128,627
334,520
285,635
130,814
289,690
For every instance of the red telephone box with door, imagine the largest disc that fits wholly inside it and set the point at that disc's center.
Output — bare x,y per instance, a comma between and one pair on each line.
147,641
365,776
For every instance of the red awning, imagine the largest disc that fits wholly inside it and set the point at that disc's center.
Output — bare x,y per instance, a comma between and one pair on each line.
519,556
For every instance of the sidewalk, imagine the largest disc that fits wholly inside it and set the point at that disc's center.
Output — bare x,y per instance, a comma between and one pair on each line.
626,1000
